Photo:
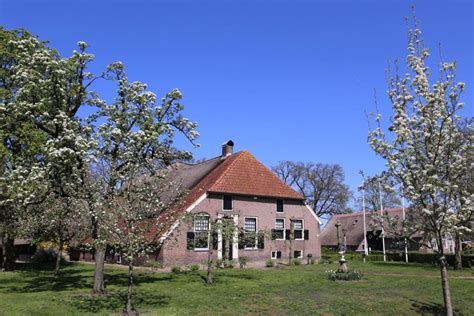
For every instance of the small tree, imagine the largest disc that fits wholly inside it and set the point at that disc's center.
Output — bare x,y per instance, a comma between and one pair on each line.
426,152
290,241
62,220
139,215
225,230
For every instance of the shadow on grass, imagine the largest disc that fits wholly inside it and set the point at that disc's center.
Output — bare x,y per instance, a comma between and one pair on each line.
425,308
37,278
115,301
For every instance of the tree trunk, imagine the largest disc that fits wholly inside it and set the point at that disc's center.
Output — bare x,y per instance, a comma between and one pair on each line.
226,252
457,252
209,264
292,237
99,286
8,252
129,310
444,283
58,258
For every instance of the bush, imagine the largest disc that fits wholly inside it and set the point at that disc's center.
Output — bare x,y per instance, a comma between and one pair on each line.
176,269
153,264
231,264
243,261
312,261
194,267
269,263
46,255
296,262
351,275
218,263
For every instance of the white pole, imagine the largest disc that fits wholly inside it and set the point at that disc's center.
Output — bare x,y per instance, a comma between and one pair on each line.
366,249
383,231
403,215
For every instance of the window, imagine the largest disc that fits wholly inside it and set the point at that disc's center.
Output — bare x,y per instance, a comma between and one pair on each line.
280,206
298,223
201,232
276,254
250,227
279,232
227,202
298,254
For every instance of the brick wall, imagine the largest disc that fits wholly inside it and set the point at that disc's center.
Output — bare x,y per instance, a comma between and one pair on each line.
174,250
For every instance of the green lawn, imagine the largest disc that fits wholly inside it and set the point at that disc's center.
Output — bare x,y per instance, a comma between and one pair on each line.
387,288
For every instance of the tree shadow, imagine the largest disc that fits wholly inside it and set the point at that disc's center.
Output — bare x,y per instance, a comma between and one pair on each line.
114,301
39,277
426,308
224,278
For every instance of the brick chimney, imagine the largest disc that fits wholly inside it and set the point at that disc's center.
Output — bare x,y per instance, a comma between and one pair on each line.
227,149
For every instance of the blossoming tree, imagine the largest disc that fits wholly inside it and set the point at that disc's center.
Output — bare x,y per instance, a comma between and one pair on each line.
135,138
424,148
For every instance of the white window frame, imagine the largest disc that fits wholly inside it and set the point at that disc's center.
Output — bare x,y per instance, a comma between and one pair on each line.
231,203
284,230
302,228
276,211
208,231
256,232
300,257
274,257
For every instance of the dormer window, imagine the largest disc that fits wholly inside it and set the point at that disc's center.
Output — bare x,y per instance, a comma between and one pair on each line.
227,202
279,206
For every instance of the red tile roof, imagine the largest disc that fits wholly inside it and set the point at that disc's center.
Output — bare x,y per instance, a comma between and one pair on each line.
239,173
242,173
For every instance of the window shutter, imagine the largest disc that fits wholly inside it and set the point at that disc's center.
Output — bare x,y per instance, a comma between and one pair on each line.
287,233
273,234
306,234
261,241
214,240
241,240
278,254
190,238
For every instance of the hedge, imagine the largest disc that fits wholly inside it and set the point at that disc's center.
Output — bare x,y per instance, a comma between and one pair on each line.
426,258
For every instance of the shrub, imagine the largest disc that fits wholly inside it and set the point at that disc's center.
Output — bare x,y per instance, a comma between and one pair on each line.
231,264
269,263
296,262
153,264
46,255
218,263
176,269
351,275
312,261
243,261
194,267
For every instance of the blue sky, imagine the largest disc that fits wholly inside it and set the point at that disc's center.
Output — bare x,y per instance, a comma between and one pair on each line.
283,79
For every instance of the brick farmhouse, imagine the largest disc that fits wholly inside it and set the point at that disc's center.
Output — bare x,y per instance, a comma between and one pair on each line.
237,187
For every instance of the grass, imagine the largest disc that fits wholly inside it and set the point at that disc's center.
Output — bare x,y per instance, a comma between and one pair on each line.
387,288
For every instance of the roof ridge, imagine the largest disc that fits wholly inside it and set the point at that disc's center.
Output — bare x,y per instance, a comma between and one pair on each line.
358,213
